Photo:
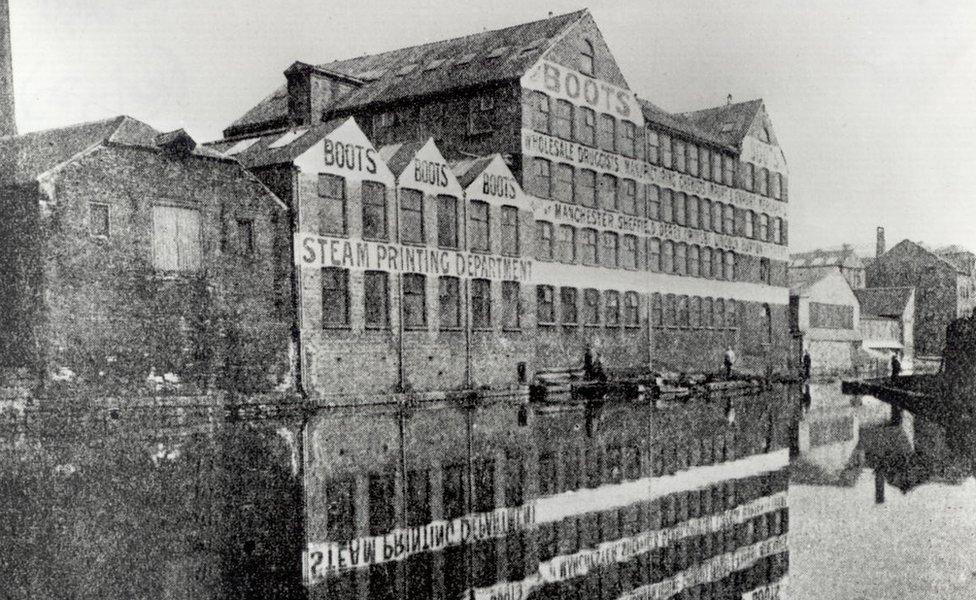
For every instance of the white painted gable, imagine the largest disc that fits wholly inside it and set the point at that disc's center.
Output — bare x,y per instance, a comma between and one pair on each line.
346,152
497,185
428,172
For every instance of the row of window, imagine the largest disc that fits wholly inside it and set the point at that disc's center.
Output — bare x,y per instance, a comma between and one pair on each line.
567,184
333,217
581,124
594,308
672,310
376,301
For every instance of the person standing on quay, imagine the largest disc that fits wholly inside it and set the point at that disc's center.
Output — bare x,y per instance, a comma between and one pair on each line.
807,365
729,361
895,365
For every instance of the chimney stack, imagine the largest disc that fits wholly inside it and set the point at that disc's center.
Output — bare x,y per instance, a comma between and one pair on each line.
880,244
8,126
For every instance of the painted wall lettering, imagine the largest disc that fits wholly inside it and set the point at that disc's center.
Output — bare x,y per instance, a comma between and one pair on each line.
499,186
567,84
353,157
431,173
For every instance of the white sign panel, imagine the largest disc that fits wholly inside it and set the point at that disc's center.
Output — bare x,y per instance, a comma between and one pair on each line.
320,251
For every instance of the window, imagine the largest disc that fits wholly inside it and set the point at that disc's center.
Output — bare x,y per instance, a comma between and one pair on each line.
332,204
450,302
768,320
628,196
691,212
510,231
730,266
545,309
608,133
567,244
654,254
245,237
414,301
511,304
665,148
717,159
542,181
608,192
479,226
718,264
694,312
717,217
341,509
764,227
728,170
683,317
750,228
585,188
667,205
691,151
411,216
653,202
657,310
543,240
418,498
678,155
719,313
563,185
374,210
694,260
777,231
567,298
670,311
705,214
586,126
335,297
652,145
631,309
98,219
776,183
681,258
481,304
591,307
587,59
447,219
589,245
707,318
612,308
628,139
679,208
705,268
540,112
176,238
748,176
479,114
667,257
762,181
764,271
704,163
728,219
376,299
562,122
455,486
628,256
610,250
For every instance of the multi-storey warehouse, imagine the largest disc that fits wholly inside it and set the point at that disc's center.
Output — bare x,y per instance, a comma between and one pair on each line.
506,203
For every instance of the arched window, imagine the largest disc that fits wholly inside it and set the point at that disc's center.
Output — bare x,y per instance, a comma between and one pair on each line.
587,63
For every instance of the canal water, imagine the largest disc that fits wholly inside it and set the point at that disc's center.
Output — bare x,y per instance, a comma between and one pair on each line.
756,493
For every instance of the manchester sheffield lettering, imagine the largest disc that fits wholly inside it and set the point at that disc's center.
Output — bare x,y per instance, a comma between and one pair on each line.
349,156
319,251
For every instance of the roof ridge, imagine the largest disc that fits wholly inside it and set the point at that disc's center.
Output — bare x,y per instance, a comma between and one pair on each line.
721,106
106,121
455,38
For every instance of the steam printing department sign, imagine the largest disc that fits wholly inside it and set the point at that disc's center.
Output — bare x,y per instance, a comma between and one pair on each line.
317,251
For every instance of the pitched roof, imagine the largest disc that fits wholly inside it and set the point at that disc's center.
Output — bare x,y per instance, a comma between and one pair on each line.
467,169
398,156
884,302
677,123
472,60
28,155
921,248
801,280
842,257
729,122
275,148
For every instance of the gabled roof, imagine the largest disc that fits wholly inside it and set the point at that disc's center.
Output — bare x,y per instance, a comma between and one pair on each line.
398,156
262,150
678,123
843,257
729,122
472,60
467,169
801,280
920,248
884,302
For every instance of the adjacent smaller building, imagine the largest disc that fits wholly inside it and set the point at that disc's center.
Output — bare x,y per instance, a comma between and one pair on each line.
888,322
843,260
825,317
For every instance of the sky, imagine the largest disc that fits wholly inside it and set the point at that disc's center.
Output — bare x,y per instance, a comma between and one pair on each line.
872,101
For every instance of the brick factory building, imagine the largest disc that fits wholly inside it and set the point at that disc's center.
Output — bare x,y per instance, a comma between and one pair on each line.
605,223
133,258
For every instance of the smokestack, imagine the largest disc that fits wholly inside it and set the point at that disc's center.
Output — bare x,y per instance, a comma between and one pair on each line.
880,247
8,126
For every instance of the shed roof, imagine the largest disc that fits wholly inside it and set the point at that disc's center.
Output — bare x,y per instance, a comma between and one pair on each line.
884,302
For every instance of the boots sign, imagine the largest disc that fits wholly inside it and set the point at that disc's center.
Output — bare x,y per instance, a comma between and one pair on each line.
562,83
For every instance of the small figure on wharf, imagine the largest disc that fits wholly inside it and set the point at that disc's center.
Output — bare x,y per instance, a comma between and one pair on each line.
729,361
895,365
807,365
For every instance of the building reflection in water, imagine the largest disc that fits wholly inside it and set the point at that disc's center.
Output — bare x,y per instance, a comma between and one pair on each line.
496,500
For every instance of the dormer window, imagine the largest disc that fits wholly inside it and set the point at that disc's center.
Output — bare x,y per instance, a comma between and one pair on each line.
587,63
764,134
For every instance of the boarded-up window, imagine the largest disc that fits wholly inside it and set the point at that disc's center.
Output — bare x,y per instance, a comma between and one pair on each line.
450,302
511,304
177,245
447,218
376,299
332,203
831,316
335,297
411,216
479,226
510,231
414,301
374,210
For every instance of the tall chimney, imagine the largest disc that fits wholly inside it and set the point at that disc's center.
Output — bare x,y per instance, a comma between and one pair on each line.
8,126
879,249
